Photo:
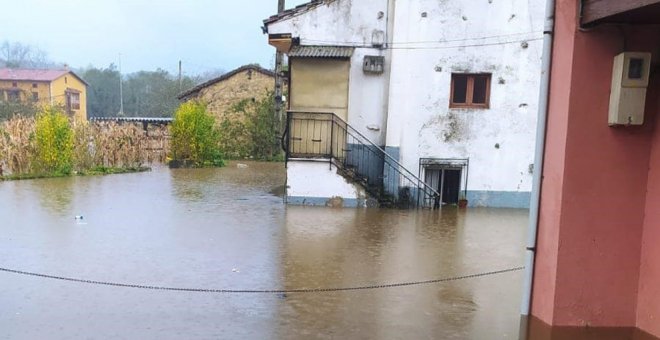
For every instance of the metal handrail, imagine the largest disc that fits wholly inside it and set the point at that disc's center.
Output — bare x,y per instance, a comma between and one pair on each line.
419,180
407,174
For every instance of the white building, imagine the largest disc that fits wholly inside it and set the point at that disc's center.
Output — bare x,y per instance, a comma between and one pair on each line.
447,88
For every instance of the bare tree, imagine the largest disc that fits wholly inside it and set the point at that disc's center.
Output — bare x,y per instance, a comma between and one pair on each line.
17,55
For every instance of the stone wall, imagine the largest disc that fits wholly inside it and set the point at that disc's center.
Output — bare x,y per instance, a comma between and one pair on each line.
248,84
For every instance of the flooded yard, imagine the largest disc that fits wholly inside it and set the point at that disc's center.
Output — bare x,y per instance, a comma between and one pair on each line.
228,229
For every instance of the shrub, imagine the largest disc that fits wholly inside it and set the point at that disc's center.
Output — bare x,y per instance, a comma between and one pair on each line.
10,109
53,141
249,129
194,136
263,129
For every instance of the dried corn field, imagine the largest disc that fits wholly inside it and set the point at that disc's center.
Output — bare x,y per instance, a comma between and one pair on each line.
96,144
16,146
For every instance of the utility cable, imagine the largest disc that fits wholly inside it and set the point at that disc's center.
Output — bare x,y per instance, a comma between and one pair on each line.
431,41
440,47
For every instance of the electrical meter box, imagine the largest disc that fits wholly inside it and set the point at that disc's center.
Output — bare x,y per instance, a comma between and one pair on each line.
630,78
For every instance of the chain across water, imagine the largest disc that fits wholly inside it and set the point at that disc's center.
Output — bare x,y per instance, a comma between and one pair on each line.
263,291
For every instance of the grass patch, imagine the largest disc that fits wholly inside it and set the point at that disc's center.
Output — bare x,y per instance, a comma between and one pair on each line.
90,172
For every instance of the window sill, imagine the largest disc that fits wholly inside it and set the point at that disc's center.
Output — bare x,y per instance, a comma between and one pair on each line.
470,107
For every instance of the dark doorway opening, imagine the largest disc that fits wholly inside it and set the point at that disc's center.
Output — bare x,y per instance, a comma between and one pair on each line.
447,182
451,186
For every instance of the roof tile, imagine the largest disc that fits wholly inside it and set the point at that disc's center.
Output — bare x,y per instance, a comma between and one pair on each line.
321,52
34,74
30,74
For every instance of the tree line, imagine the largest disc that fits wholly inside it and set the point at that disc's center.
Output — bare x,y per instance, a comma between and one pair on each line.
145,93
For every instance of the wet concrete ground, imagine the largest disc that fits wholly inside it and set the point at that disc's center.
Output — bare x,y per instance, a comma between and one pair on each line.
225,229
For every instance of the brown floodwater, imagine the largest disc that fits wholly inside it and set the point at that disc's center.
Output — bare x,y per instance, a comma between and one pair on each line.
229,229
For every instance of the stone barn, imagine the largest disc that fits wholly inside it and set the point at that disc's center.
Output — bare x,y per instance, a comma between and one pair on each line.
246,82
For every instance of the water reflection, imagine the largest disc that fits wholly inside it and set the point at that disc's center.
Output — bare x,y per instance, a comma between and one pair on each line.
56,196
224,228
535,329
348,247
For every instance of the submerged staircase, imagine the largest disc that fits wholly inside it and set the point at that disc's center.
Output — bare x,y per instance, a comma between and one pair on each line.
325,136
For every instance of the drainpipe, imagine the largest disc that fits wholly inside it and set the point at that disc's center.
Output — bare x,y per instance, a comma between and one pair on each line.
538,157
389,37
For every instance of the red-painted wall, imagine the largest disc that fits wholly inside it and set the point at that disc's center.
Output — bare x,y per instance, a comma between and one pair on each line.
648,302
594,187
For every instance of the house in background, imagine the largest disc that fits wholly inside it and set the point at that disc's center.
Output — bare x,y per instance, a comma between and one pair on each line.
246,82
418,102
52,87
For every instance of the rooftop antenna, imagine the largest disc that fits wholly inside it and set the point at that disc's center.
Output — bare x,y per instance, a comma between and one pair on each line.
121,92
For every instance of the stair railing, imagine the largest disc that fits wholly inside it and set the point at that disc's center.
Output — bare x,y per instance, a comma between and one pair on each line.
325,136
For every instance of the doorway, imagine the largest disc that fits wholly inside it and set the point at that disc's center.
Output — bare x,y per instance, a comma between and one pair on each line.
447,182
447,176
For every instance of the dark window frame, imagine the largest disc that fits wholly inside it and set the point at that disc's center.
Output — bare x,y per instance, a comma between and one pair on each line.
13,96
74,100
469,91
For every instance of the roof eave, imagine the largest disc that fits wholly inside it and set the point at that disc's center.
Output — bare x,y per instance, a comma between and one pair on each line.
73,74
300,9
193,91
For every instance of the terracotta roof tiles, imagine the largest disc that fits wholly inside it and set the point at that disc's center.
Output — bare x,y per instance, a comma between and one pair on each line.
33,74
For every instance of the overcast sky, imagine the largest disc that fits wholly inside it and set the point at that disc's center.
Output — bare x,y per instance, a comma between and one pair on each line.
205,34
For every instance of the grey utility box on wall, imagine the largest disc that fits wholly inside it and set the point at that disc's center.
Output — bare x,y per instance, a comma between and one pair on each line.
373,64
630,78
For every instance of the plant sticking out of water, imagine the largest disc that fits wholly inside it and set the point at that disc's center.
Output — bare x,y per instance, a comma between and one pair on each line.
118,145
53,136
53,145
16,145
194,137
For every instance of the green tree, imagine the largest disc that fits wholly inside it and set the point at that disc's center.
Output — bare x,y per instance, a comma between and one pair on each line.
146,93
153,93
54,141
9,109
103,91
194,136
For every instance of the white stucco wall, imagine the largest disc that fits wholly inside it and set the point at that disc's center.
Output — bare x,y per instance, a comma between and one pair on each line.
350,23
407,107
317,182
338,22
420,121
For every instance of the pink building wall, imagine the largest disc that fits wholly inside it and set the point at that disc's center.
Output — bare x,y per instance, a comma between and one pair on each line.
648,302
545,274
590,266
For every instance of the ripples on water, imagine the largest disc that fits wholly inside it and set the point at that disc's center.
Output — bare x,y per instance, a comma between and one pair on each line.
228,228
